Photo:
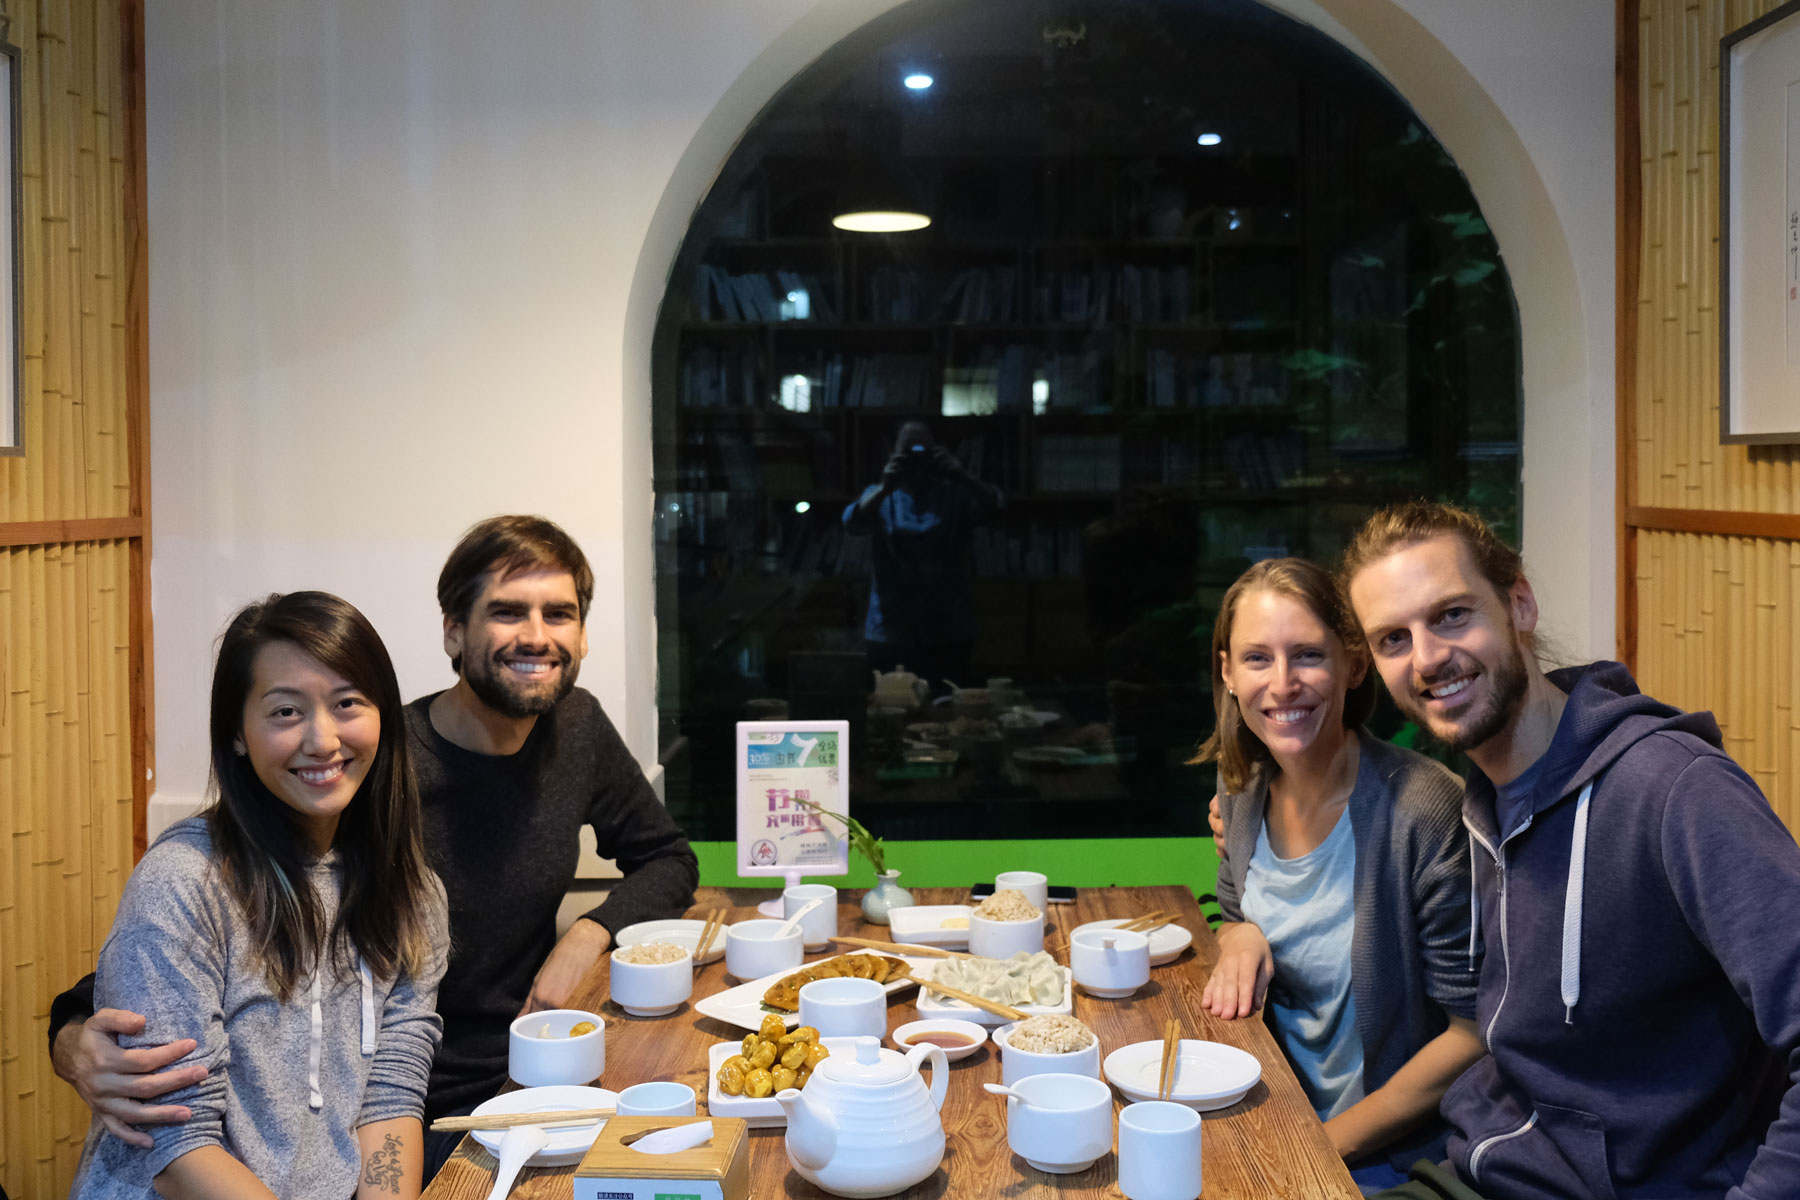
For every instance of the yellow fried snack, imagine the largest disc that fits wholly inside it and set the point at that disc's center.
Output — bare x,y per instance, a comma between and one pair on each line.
781,1078
815,1054
792,1056
751,1042
785,993
801,1076
772,1028
758,1084
736,1060
731,1080
800,1033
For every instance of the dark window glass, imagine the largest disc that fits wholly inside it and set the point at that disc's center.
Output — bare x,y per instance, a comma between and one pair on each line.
1197,289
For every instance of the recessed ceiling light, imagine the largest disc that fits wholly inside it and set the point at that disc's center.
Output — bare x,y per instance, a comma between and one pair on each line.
918,81
1209,139
880,222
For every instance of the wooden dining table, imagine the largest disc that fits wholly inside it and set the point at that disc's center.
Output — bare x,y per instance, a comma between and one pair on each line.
1267,1145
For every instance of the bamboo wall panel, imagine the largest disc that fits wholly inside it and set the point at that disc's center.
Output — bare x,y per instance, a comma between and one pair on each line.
71,656
1714,614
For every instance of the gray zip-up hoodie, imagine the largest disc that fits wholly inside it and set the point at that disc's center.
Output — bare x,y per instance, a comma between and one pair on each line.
289,1084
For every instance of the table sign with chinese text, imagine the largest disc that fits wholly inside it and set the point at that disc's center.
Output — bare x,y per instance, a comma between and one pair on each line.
778,764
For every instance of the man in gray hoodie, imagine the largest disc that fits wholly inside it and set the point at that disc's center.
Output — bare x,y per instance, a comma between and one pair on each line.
1640,995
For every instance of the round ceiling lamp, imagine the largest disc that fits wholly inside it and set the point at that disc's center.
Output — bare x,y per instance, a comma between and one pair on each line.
880,221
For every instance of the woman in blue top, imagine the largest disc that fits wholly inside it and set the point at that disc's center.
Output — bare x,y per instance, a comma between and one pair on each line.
1345,882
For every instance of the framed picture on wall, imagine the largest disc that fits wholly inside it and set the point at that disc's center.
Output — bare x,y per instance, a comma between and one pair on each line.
1759,230
12,416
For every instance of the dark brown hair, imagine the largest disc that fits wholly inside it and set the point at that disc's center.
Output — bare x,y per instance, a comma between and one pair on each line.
263,857
503,547
1232,745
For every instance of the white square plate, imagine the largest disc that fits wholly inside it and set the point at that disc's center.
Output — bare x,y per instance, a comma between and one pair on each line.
1166,942
742,1005
1208,1075
765,1113
923,925
930,1004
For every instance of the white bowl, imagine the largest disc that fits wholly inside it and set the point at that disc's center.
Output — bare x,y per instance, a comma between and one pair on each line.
1065,1125
1110,972
651,989
977,1035
658,1098
1018,1064
1033,885
535,1058
1003,939
752,950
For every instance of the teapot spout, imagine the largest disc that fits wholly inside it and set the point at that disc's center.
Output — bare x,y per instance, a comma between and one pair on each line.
811,1130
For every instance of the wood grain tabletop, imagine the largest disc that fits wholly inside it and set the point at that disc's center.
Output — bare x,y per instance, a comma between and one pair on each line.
1268,1145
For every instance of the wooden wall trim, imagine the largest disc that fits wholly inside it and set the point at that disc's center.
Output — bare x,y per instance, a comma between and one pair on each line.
1628,183
136,213
1716,522
53,533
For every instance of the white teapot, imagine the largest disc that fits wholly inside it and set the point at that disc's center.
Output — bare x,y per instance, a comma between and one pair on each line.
867,1125
900,688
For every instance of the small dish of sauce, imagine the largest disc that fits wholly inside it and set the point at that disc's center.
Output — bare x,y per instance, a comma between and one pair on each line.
941,1037
958,1039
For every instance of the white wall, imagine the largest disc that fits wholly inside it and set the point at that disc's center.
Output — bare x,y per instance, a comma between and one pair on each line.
405,258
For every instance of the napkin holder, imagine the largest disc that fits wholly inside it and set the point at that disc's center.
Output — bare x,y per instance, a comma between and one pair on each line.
718,1170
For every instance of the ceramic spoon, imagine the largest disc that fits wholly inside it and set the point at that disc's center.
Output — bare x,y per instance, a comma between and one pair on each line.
1002,1090
516,1148
795,919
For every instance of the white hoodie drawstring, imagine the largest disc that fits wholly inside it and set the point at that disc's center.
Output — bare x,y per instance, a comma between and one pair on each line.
315,1045
368,1007
1571,940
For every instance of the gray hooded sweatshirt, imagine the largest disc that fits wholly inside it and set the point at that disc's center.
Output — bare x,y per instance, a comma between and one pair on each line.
289,1083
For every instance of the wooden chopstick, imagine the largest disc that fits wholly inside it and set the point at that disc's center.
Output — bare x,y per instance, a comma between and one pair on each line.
1171,1058
567,1116
715,920
985,1005
1147,922
916,951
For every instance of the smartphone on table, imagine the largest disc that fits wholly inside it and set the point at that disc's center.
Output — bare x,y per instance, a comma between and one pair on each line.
1057,895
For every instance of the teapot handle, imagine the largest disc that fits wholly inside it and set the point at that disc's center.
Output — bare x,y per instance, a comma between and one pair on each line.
940,1075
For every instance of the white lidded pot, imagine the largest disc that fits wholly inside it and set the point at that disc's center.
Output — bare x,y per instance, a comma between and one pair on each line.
867,1125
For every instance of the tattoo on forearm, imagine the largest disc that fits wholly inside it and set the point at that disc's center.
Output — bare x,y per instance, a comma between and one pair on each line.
384,1170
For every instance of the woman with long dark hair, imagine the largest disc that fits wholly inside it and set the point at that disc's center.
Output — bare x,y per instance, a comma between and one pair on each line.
292,931
1345,883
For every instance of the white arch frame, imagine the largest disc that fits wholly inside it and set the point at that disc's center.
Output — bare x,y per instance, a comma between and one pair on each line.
1567,458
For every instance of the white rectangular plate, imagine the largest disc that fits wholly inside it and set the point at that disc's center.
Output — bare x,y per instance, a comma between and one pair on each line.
930,1004
923,925
758,1114
742,1005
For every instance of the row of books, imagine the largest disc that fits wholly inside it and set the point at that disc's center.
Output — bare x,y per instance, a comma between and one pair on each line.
1125,293
720,295
1242,380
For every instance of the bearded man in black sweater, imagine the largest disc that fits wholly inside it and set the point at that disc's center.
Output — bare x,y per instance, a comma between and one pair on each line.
512,761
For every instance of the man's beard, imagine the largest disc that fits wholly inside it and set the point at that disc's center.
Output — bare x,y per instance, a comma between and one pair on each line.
1509,681
492,685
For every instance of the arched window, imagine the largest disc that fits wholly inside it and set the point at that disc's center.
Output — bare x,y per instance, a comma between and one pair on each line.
1196,288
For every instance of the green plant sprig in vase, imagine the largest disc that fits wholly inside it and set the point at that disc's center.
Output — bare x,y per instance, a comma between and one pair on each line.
886,894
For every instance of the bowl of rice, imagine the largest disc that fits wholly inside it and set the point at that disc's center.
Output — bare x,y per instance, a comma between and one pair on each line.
652,979
1005,924
1047,1045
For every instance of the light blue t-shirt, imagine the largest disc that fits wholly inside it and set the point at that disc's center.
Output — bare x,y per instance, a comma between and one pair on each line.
1305,907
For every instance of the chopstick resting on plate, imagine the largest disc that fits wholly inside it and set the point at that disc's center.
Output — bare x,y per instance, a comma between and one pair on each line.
715,920
916,951
567,1116
1149,921
1171,1058
984,1004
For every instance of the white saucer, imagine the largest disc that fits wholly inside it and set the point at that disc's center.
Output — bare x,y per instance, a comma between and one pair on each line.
969,1029
566,1146
675,931
1208,1075
1166,941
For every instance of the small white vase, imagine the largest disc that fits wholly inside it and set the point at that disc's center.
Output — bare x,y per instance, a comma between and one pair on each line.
885,895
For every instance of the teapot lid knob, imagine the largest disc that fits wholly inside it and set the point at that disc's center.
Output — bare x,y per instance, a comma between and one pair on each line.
868,1051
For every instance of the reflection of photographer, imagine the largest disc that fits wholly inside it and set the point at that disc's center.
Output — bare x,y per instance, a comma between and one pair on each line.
921,517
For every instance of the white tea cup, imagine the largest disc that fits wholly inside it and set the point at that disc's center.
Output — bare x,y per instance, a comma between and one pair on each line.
819,926
1063,1125
1159,1151
752,950
1110,963
658,1099
1034,884
1017,1064
540,1052
1003,939
844,1007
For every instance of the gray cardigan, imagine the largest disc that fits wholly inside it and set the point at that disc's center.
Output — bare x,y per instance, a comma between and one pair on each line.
1410,957
181,954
